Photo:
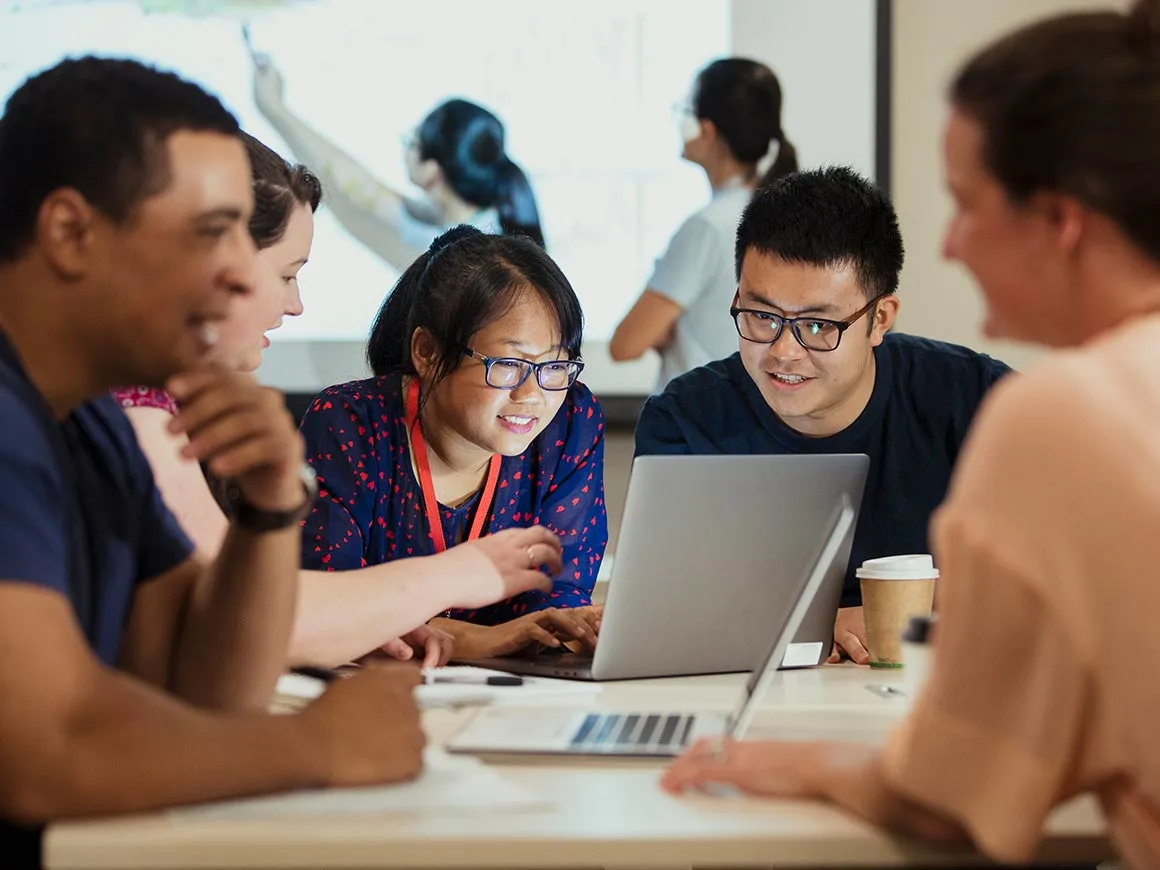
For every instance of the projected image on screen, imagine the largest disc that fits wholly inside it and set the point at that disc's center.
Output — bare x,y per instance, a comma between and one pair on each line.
584,92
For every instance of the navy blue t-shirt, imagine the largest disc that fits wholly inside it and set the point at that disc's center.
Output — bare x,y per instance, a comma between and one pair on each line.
79,514
925,395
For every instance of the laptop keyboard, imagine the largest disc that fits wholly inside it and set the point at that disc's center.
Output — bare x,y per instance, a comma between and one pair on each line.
635,732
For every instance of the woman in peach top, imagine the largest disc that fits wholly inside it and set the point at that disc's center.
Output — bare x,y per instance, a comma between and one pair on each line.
1047,541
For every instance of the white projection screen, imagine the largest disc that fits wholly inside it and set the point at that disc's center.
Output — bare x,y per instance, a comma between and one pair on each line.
585,90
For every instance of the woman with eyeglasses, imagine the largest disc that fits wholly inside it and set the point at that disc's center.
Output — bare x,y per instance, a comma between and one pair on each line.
732,129
383,607
455,156
474,422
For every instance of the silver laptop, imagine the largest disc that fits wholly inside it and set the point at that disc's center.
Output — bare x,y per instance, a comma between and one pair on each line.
711,548
513,730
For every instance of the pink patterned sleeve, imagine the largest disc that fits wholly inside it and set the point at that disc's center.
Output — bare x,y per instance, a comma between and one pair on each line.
145,397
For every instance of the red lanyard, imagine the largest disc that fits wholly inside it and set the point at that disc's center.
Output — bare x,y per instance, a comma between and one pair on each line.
419,445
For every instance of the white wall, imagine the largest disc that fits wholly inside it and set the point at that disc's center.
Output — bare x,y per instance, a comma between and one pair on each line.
823,52
931,39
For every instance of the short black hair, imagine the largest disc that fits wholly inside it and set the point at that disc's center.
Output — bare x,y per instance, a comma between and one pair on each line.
826,217
465,281
97,125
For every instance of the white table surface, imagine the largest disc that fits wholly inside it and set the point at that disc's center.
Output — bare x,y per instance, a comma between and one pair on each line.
597,813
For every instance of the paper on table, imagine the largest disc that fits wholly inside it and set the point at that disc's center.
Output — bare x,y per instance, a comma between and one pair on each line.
298,687
295,690
799,655
448,783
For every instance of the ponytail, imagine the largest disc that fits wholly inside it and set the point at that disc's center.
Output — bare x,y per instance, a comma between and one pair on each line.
516,203
467,141
742,98
785,163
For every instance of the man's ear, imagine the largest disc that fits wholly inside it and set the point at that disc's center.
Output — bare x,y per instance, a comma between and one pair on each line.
424,353
885,311
66,227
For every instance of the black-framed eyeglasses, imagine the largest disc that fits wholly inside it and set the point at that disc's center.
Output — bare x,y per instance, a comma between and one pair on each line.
508,373
812,333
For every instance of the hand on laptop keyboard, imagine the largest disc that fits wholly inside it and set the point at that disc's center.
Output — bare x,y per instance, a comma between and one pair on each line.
528,634
537,651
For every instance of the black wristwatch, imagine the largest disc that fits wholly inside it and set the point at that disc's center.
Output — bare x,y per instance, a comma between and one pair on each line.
255,519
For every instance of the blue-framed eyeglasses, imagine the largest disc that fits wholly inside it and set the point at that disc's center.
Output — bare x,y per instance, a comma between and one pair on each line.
508,373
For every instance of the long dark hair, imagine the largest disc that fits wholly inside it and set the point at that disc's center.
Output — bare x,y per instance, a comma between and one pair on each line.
1072,104
467,141
743,100
467,280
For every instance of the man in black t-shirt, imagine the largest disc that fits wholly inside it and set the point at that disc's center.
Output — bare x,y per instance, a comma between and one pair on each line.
818,257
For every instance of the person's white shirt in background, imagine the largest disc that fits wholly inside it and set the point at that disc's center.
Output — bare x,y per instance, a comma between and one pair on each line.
396,229
418,223
697,272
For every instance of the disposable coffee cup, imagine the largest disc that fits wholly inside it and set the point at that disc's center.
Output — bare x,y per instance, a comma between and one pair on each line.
894,589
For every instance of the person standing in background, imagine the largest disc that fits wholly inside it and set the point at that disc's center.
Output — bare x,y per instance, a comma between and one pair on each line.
732,130
456,156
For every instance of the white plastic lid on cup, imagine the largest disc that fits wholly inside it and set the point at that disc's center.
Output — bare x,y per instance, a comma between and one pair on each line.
912,567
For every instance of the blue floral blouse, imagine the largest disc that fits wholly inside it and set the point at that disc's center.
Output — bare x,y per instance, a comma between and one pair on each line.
370,506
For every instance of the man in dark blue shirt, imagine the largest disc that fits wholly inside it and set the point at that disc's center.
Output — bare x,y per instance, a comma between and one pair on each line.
818,258
132,673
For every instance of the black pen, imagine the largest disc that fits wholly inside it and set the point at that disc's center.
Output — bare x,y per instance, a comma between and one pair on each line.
481,680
